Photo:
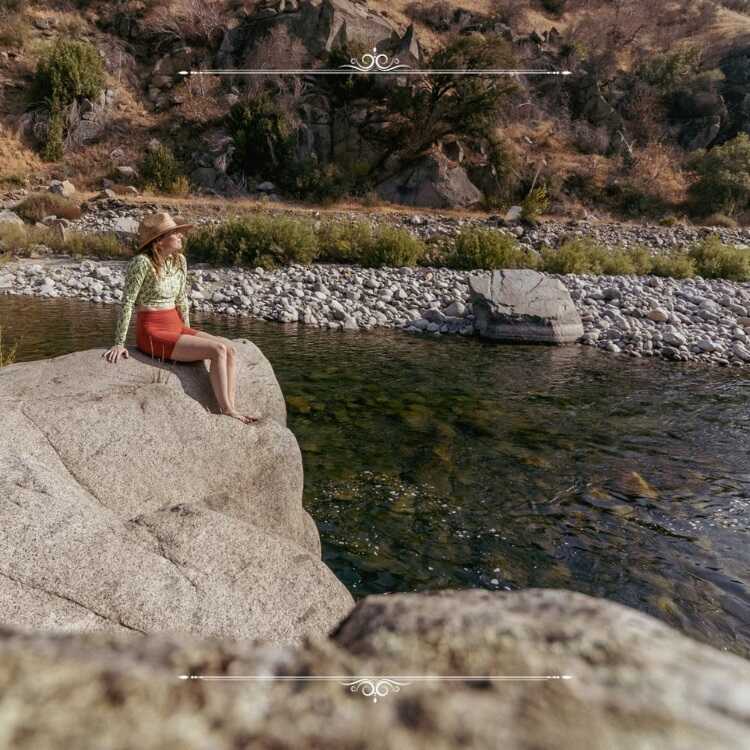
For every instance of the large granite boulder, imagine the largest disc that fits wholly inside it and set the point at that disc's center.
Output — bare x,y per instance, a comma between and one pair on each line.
522,305
320,25
633,682
434,181
130,504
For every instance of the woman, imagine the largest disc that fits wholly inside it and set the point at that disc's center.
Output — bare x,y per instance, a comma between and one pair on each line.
156,279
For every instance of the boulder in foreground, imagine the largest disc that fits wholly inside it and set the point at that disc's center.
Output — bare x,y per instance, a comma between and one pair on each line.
128,505
635,682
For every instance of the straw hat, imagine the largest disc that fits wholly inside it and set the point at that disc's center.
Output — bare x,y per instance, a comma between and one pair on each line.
158,225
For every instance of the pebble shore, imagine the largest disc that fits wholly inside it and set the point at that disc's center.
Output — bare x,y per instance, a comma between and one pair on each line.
683,320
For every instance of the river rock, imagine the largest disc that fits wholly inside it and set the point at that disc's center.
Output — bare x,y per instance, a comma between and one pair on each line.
521,305
632,682
131,505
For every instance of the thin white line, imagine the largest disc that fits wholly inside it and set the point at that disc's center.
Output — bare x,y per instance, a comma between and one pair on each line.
319,72
378,677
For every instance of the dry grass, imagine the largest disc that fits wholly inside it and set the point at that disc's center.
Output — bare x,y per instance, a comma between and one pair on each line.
17,162
6,357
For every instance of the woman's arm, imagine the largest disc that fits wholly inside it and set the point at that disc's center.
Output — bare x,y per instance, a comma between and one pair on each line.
182,300
134,277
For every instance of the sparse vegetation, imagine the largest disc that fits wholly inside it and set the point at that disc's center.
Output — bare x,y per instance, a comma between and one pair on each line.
723,183
161,171
6,357
254,241
487,249
715,260
67,70
38,205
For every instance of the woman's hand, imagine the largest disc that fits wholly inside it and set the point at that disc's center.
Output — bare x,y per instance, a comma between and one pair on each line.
112,354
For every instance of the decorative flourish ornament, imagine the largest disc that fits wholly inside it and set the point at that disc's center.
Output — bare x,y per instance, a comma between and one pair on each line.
379,61
377,688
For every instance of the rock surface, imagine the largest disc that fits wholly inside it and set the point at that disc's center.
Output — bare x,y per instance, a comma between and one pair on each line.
634,682
128,505
524,306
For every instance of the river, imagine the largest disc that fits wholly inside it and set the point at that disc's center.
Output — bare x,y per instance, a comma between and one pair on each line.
437,462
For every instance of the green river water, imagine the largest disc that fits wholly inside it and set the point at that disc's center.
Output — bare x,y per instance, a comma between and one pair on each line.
438,462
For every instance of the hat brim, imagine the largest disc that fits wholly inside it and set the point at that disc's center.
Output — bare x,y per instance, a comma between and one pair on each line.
171,230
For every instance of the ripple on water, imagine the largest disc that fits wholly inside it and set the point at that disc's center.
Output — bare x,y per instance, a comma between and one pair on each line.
437,462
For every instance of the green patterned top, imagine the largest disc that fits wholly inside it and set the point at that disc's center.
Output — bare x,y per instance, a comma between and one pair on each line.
143,287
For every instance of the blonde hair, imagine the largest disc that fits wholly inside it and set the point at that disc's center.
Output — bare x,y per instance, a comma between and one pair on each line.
156,257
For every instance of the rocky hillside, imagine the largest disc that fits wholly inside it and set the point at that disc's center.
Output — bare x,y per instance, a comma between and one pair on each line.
651,95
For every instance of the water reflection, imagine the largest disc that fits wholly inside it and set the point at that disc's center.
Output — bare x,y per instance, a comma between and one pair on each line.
434,462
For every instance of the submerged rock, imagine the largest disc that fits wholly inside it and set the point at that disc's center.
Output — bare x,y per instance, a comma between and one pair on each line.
129,506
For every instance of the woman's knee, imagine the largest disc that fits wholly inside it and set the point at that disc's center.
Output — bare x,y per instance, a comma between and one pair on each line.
220,349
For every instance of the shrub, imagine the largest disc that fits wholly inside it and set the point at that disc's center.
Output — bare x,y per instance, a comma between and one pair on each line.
161,171
715,260
668,70
38,205
580,255
344,242
6,357
66,71
307,180
723,183
641,259
254,241
535,203
263,136
99,245
676,265
720,220
393,247
355,242
486,249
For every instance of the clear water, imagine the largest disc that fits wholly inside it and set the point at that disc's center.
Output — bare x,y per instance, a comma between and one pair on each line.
446,462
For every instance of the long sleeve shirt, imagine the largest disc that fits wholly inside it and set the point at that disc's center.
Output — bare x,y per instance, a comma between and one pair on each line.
143,287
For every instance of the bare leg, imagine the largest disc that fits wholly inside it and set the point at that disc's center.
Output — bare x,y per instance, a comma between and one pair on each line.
191,348
218,378
231,369
231,377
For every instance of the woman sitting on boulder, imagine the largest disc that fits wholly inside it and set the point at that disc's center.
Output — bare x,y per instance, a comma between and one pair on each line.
156,279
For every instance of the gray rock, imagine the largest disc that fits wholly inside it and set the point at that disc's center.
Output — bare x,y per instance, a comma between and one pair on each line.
62,187
129,506
621,665
524,305
9,217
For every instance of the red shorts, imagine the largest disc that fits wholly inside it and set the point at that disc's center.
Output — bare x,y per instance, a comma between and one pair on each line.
157,331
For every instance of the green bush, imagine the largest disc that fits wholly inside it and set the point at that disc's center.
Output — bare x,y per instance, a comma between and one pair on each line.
254,241
344,242
641,259
355,242
675,265
535,204
263,137
99,245
580,255
66,71
160,170
308,180
723,184
667,71
393,247
487,248
38,205
715,260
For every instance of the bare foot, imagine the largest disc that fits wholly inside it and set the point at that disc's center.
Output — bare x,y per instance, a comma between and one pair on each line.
246,418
